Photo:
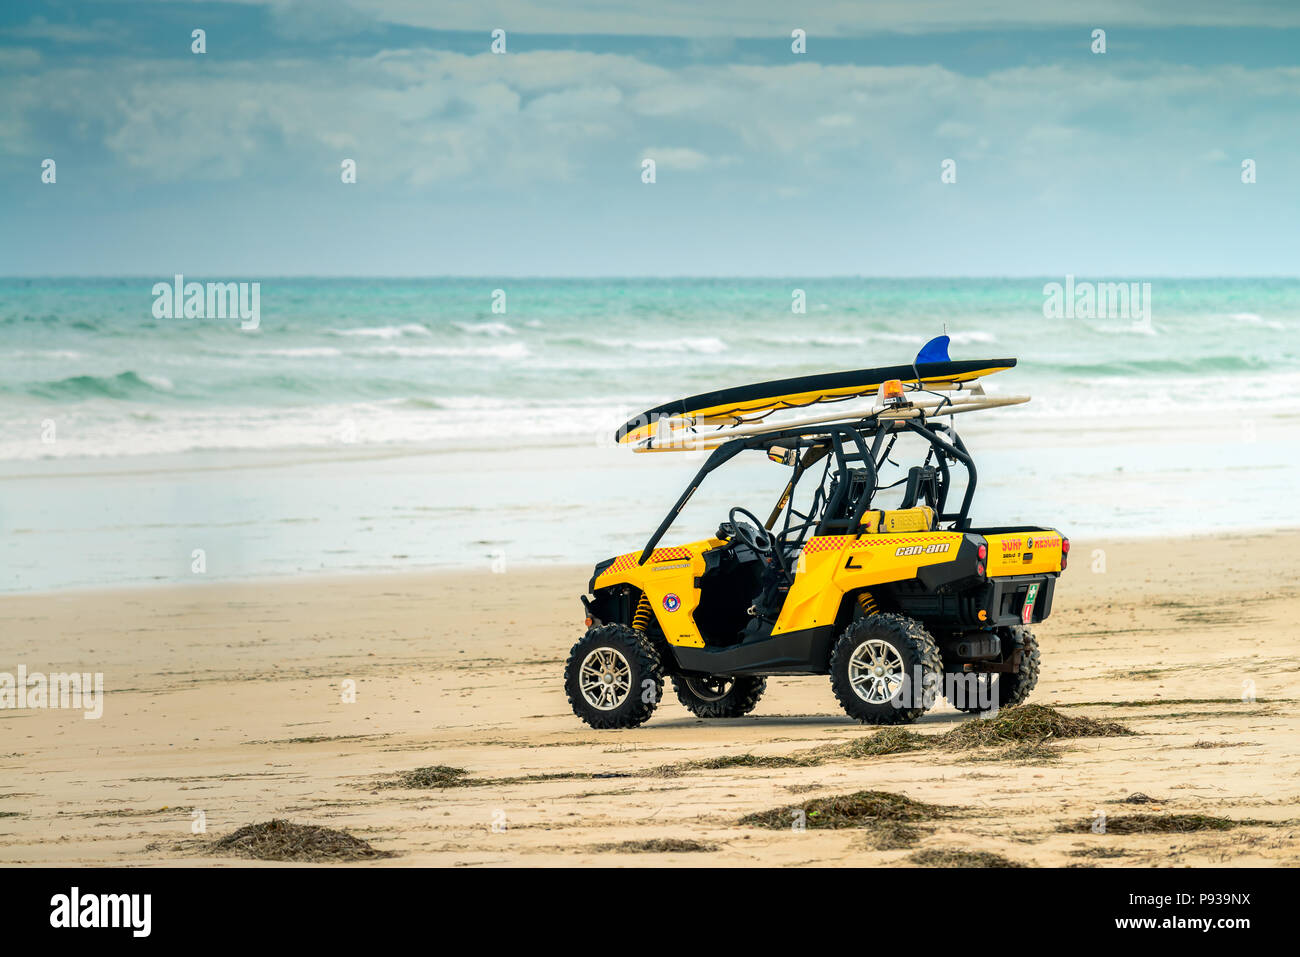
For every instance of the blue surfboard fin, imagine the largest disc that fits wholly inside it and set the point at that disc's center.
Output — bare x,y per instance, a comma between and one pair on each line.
936,350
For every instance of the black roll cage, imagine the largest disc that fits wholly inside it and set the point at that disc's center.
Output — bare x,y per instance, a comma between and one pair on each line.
832,438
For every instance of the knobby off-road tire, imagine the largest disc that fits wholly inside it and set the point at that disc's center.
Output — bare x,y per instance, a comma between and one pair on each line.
1013,688
871,661
719,697
614,677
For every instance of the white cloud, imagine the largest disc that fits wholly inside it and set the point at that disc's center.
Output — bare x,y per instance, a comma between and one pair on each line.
423,116
39,28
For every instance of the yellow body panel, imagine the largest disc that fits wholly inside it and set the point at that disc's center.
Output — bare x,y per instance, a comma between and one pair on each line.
827,568
1023,553
831,565
668,581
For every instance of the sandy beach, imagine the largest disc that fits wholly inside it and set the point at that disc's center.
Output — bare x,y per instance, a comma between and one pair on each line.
227,699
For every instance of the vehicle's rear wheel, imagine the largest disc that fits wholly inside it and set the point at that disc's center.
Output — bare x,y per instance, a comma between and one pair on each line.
613,678
719,696
974,693
885,669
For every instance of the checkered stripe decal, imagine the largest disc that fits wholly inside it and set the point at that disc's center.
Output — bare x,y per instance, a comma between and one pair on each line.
909,540
624,562
824,543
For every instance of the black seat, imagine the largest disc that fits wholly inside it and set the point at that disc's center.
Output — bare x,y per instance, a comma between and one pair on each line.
847,490
922,487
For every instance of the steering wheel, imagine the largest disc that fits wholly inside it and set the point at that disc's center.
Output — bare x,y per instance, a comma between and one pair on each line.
758,538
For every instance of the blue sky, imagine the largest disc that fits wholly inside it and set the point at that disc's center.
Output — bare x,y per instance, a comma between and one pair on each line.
769,163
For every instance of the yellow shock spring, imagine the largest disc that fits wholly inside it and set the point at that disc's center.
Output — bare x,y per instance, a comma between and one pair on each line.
867,603
644,615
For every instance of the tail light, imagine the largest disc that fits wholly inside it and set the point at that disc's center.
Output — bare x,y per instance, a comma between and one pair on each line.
1065,552
983,552
979,569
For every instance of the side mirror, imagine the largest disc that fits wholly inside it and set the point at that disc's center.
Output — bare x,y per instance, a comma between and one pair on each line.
782,455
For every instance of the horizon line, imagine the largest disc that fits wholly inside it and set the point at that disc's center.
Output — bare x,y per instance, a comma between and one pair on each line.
651,277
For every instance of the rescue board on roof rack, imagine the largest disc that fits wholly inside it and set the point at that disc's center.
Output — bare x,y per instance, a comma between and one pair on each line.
729,410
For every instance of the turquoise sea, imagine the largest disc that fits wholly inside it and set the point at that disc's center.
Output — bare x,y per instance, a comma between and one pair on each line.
374,425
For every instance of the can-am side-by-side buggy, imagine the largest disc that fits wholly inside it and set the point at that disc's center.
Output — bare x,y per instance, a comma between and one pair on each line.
898,605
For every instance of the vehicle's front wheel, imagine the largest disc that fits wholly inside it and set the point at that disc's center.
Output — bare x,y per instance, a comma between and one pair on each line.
614,678
885,669
718,696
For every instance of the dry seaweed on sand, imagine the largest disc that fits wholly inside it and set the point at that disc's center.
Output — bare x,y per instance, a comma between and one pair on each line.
280,840
941,857
1224,744
1030,722
893,740
1099,852
442,776
725,761
1021,731
847,810
1027,752
655,845
435,776
889,836
1026,729
1158,824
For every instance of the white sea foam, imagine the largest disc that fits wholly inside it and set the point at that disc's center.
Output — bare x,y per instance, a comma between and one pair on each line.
512,350
385,332
1254,319
867,338
303,352
812,340
901,337
485,328
975,336
43,354
1135,328
652,343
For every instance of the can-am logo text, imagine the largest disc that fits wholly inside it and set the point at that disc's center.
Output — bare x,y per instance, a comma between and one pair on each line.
922,549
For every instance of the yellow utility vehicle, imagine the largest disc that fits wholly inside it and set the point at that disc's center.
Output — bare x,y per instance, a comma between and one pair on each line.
897,604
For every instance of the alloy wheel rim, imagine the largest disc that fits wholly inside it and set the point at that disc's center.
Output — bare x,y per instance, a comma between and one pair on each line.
605,679
876,671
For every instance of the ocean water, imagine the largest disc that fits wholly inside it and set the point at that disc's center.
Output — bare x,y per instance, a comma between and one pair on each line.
393,424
